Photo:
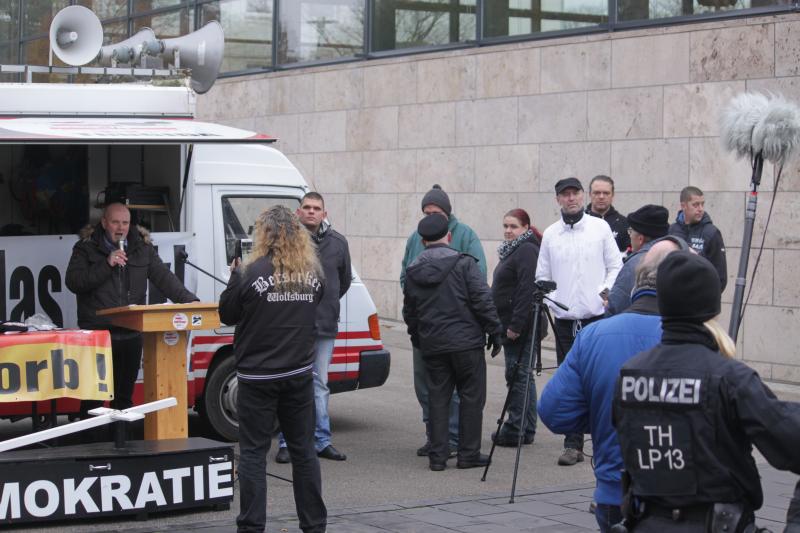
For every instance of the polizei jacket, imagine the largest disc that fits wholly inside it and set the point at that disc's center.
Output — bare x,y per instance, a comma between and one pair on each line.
334,254
275,332
97,285
448,306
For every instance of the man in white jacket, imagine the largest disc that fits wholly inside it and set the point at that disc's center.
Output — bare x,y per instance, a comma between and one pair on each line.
580,254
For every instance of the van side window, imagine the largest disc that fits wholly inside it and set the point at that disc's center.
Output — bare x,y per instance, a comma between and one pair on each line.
239,215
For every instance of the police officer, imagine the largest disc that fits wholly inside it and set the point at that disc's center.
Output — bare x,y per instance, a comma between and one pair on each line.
687,414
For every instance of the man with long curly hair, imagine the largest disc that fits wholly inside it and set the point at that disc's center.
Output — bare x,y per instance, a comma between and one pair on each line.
272,299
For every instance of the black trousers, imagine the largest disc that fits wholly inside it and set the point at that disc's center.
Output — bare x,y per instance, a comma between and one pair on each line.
466,372
126,356
292,402
565,331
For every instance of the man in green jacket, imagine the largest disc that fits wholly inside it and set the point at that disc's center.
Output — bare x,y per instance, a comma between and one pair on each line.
466,241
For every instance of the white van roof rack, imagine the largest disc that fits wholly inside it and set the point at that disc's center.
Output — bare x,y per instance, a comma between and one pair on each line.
100,72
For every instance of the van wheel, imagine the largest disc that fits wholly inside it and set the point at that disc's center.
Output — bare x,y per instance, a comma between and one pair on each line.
219,400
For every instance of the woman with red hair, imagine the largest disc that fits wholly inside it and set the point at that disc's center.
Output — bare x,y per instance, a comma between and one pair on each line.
512,290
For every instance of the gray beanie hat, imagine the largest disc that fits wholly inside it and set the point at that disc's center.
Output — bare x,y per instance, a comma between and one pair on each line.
439,198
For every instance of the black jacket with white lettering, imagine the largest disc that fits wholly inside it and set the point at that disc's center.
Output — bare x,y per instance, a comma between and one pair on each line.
681,453
275,332
706,240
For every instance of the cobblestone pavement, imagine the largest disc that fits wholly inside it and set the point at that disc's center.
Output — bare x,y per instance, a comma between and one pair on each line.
551,509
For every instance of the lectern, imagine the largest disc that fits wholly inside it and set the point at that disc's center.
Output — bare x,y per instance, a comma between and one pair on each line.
164,327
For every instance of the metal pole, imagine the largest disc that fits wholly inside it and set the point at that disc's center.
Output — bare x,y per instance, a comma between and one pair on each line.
747,237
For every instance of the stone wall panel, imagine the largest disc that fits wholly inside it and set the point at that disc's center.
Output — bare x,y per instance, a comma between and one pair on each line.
654,60
512,168
427,125
625,114
508,73
550,118
576,67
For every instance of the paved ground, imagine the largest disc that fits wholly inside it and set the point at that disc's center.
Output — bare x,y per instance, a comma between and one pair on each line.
383,486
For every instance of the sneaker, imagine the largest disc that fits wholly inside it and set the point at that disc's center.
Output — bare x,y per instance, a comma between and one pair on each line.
424,450
453,451
282,456
570,457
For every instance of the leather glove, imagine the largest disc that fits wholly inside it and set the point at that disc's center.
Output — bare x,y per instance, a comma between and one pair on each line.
494,343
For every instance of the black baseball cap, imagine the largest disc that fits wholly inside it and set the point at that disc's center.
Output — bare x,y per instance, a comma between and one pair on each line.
566,183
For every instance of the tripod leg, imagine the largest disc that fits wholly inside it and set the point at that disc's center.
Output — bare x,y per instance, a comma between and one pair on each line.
500,419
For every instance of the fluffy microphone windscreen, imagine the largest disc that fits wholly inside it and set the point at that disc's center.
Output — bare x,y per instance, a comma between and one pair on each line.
777,134
738,121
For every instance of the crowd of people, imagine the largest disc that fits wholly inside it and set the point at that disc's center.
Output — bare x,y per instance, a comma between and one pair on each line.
642,364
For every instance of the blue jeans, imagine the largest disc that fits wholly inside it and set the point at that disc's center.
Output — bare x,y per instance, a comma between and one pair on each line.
513,352
421,390
607,515
323,350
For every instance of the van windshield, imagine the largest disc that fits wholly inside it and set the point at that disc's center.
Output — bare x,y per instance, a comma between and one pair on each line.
239,215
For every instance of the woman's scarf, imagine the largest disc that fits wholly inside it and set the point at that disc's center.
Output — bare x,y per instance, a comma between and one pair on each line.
506,247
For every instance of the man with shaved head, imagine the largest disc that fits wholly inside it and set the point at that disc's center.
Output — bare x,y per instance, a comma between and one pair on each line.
110,266
579,396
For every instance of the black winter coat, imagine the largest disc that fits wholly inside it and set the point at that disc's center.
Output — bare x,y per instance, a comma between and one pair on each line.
447,304
97,285
513,286
334,254
700,412
706,240
619,226
275,330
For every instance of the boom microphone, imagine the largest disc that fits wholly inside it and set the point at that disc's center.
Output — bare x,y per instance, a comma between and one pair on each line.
756,124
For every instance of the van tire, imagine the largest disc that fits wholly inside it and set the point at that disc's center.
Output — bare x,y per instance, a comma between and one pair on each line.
219,400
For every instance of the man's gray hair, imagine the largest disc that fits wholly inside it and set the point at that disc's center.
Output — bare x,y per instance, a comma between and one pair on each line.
647,268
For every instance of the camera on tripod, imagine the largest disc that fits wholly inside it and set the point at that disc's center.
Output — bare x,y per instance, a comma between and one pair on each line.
544,286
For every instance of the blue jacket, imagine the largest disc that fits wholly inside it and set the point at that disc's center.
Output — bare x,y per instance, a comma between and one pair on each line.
578,398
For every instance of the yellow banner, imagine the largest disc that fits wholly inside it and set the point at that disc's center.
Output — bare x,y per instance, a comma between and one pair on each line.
46,365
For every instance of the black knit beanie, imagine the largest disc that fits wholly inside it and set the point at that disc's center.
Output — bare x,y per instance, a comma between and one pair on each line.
688,288
439,198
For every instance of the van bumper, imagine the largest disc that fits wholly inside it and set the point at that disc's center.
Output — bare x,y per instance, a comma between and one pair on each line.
373,368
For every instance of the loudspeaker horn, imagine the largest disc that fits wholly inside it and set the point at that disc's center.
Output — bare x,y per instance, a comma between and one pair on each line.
76,35
129,50
201,51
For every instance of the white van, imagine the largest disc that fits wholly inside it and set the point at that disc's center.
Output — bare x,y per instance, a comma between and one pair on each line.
65,149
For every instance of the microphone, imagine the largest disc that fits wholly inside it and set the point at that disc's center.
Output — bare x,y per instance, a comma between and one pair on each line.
754,124
121,245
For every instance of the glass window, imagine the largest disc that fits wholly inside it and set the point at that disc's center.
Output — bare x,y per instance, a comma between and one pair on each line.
37,15
8,53
239,215
248,31
140,6
167,25
408,23
114,32
503,18
37,52
9,16
656,9
107,9
320,30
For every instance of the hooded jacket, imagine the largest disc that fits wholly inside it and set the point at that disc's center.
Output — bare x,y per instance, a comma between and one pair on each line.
275,332
97,285
618,224
334,255
463,239
447,304
706,240
513,286
579,396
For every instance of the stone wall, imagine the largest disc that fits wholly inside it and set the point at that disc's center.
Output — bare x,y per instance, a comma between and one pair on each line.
497,126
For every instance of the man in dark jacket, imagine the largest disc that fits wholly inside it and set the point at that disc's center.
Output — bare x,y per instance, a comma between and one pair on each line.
580,394
601,192
449,311
334,254
648,223
110,267
694,226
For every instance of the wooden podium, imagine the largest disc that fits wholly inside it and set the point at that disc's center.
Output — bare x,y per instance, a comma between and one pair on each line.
164,327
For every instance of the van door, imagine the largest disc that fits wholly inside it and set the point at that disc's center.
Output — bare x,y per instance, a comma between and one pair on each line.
236,208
